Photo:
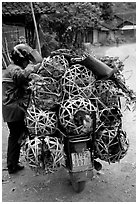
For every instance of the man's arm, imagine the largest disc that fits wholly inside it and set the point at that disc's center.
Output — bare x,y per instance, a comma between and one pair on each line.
21,76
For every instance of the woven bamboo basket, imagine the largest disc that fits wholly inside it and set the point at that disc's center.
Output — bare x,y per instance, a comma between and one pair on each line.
106,92
72,108
45,154
55,146
111,144
53,66
41,122
110,116
46,93
33,152
78,80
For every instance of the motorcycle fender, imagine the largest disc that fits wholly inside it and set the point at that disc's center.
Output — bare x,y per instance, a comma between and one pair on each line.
81,176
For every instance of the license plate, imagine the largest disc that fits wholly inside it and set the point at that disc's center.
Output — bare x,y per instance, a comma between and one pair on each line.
81,159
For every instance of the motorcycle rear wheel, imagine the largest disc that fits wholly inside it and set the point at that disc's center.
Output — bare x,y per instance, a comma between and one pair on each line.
78,186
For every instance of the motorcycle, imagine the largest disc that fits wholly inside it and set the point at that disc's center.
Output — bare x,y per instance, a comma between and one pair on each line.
79,157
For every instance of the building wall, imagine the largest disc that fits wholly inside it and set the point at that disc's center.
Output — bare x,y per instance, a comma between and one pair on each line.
95,36
127,35
102,36
90,36
10,35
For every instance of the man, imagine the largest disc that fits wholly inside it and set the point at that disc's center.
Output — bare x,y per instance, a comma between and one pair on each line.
15,98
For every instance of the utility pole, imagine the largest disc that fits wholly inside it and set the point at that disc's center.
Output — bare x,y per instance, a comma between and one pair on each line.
36,30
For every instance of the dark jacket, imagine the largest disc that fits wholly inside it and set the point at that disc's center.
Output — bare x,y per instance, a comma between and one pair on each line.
15,95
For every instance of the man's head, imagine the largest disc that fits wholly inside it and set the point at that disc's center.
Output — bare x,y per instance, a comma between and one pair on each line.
20,57
23,54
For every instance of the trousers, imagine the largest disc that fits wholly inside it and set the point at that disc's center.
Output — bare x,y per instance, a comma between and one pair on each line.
16,129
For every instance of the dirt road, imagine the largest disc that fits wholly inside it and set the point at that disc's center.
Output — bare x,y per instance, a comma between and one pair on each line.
115,183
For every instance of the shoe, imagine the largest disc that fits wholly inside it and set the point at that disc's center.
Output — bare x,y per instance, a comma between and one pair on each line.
19,167
13,170
97,165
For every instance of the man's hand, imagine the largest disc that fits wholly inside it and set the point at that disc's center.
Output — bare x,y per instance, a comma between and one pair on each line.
36,67
35,77
29,69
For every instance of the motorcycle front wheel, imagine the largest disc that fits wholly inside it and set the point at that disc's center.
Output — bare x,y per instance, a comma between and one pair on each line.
78,186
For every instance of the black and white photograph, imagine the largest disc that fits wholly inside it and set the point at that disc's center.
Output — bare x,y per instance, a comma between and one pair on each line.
68,101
